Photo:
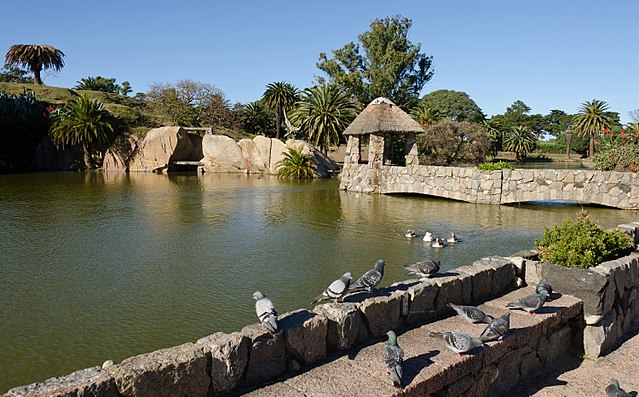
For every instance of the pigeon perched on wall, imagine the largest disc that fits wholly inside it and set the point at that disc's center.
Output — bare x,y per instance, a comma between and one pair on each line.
424,269
543,285
496,329
471,314
530,303
336,290
265,312
613,389
393,358
457,341
369,280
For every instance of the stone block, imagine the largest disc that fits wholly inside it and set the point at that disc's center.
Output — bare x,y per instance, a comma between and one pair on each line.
381,313
267,357
176,371
585,284
305,335
89,382
504,276
450,291
508,367
229,355
482,280
421,302
530,364
345,325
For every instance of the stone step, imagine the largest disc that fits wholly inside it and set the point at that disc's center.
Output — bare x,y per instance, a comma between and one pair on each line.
432,369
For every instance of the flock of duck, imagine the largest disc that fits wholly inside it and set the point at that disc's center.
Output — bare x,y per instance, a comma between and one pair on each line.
436,242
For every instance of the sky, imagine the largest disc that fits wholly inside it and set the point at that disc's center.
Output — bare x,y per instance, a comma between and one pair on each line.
549,54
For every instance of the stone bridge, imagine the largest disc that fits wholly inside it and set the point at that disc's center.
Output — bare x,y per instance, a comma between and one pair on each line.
609,188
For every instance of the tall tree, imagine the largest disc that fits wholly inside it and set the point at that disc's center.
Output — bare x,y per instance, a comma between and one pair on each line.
13,74
36,58
454,105
323,114
383,63
591,119
279,97
424,115
125,89
256,119
521,141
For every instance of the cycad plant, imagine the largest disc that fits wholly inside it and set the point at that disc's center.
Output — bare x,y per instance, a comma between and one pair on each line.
295,165
521,141
83,122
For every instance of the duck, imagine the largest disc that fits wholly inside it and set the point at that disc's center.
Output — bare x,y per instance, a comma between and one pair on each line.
428,237
438,243
410,233
453,238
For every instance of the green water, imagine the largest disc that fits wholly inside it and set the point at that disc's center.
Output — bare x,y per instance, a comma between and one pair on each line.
105,266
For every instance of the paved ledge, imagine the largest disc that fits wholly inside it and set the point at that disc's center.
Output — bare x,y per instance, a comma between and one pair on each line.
431,369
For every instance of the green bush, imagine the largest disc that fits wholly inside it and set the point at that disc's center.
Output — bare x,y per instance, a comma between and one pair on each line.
617,157
295,165
553,147
500,165
581,244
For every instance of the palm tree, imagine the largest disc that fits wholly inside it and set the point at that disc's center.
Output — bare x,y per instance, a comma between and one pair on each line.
425,116
35,57
491,127
255,119
323,114
521,141
278,97
82,122
591,119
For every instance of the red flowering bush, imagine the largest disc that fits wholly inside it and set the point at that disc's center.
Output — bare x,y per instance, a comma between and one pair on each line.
617,151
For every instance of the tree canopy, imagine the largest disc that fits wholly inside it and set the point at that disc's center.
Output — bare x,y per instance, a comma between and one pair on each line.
383,64
454,105
279,97
36,58
592,119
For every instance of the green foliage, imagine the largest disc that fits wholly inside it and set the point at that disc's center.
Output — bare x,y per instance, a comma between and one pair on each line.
35,58
13,74
323,114
591,120
256,119
520,141
424,115
83,122
383,64
295,165
454,143
125,89
22,124
492,130
455,105
581,244
499,165
98,83
280,97
553,146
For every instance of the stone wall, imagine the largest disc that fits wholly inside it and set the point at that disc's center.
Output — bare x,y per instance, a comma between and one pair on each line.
615,189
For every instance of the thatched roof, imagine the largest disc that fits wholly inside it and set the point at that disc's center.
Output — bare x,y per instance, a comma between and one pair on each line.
380,116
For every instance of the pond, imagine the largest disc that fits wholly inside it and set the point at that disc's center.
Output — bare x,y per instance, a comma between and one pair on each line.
100,266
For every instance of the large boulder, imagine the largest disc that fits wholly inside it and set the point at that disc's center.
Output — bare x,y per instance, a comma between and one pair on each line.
305,335
119,154
229,355
162,146
325,165
267,358
253,161
221,154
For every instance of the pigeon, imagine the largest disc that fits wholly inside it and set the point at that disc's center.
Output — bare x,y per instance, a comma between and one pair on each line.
542,285
410,233
336,290
613,389
424,269
369,280
265,311
472,314
497,328
428,237
530,303
393,358
457,341
453,238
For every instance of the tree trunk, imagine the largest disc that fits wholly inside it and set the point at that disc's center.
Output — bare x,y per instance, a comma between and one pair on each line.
36,77
278,122
592,146
568,144
88,162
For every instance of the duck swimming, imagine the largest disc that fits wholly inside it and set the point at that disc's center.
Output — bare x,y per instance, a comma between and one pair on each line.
410,233
453,238
438,243
428,237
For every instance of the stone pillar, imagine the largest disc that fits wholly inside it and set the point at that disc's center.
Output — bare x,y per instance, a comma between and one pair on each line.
376,160
410,150
352,151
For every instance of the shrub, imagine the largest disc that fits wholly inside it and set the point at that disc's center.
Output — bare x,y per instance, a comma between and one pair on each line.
500,165
295,165
581,244
454,143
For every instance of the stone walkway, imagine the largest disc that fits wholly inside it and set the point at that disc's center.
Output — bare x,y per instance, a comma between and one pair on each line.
573,377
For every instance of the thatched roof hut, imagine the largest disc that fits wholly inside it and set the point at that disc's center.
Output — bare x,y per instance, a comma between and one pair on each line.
380,116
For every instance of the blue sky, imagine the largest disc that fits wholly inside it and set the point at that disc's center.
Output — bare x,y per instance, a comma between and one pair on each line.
549,54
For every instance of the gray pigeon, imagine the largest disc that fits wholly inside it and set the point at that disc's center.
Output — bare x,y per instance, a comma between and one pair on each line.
424,269
457,341
336,290
369,280
613,389
265,311
497,328
393,358
542,285
471,314
530,303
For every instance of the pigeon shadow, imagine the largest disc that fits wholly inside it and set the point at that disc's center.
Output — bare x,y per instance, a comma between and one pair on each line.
414,365
547,310
446,274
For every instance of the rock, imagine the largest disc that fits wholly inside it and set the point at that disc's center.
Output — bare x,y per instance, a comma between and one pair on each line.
252,160
222,154
108,363
533,272
587,285
119,154
160,147
267,358
305,335
520,265
482,280
421,302
325,166
48,157
263,145
176,371
229,355
345,325
381,313
90,382
278,148
593,319
504,276
449,291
